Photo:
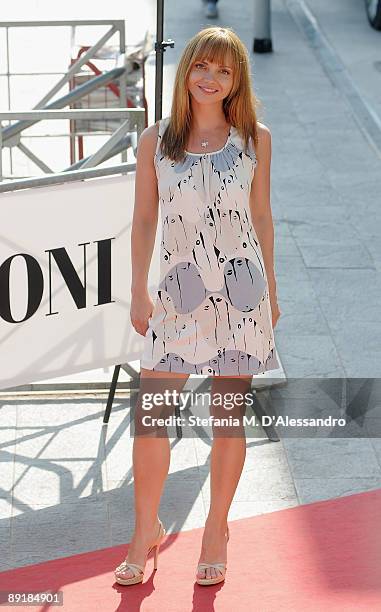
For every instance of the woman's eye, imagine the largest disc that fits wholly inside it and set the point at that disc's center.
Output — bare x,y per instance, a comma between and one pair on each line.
202,66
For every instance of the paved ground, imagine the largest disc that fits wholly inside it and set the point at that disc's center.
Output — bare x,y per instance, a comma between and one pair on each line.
58,462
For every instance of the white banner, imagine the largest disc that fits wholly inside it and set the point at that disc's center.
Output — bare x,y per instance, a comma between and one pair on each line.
65,278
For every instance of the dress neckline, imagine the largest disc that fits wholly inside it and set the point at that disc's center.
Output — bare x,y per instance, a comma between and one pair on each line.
212,152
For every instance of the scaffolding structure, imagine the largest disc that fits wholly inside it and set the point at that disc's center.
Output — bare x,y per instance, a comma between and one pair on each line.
101,76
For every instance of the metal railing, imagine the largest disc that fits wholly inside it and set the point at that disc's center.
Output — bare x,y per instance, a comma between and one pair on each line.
134,121
10,135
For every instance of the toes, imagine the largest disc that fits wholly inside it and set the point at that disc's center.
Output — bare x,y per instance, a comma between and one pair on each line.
125,575
209,573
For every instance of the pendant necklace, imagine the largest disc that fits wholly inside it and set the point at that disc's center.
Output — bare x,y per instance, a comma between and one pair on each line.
204,143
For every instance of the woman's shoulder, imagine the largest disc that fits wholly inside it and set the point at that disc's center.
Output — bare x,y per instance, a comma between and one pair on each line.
153,131
264,133
150,133
263,146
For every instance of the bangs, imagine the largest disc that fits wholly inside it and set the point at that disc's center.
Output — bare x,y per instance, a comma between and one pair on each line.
217,50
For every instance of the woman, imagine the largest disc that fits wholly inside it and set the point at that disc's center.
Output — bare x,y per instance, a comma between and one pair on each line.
208,165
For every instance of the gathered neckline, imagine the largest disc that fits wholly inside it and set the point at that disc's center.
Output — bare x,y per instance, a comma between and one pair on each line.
212,152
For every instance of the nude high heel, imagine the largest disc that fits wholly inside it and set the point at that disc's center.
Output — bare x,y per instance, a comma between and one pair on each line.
138,576
221,567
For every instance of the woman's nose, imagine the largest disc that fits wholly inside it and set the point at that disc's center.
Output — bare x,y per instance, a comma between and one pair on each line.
210,79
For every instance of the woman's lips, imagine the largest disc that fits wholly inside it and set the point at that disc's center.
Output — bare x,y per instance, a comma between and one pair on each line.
207,92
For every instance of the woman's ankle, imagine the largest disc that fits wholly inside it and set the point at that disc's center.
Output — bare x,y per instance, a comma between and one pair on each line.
219,524
144,526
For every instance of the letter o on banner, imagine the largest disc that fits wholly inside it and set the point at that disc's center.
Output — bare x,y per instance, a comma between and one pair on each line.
35,287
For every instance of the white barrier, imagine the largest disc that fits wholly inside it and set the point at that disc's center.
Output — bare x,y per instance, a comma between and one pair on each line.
65,278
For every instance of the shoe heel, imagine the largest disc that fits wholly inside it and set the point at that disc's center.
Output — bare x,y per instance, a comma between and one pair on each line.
156,556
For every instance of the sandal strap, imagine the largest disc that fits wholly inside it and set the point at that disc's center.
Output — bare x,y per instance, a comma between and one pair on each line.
128,565
159,537
216,565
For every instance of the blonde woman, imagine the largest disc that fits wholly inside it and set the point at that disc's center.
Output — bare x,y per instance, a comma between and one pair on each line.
207,166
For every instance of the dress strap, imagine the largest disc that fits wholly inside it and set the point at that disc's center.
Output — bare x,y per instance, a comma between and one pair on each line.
162,123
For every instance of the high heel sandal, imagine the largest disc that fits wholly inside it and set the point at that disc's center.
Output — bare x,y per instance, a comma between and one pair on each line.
126,565
221,567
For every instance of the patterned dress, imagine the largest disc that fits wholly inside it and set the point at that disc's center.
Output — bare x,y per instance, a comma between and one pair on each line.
212,313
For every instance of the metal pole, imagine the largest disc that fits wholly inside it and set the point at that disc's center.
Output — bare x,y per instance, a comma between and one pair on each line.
75,67
74,95
262,27
65,177
159,60
1,152
111,394
123,78
160,46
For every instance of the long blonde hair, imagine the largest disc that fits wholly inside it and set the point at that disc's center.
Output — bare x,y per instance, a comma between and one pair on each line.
213,44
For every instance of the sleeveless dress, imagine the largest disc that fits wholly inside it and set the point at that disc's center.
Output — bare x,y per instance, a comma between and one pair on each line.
212,313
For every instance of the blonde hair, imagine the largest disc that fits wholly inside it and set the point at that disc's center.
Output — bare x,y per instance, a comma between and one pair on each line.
214,44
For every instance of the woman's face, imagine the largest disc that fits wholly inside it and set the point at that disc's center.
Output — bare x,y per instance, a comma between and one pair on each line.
206,75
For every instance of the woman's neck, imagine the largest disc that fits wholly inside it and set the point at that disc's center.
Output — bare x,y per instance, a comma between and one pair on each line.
208,120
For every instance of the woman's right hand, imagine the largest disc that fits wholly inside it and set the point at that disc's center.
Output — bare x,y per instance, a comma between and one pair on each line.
140,311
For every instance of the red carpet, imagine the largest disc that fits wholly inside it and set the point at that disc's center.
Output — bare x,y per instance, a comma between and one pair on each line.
321,556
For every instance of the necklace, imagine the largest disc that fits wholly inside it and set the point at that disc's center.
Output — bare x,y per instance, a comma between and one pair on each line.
205,143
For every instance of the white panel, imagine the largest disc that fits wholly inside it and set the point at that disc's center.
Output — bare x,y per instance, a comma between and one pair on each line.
35,220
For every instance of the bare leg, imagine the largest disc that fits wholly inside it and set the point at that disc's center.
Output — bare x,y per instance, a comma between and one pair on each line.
151,460
227,461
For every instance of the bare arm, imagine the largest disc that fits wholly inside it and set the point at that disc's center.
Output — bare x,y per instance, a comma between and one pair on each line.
260,204
144,225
